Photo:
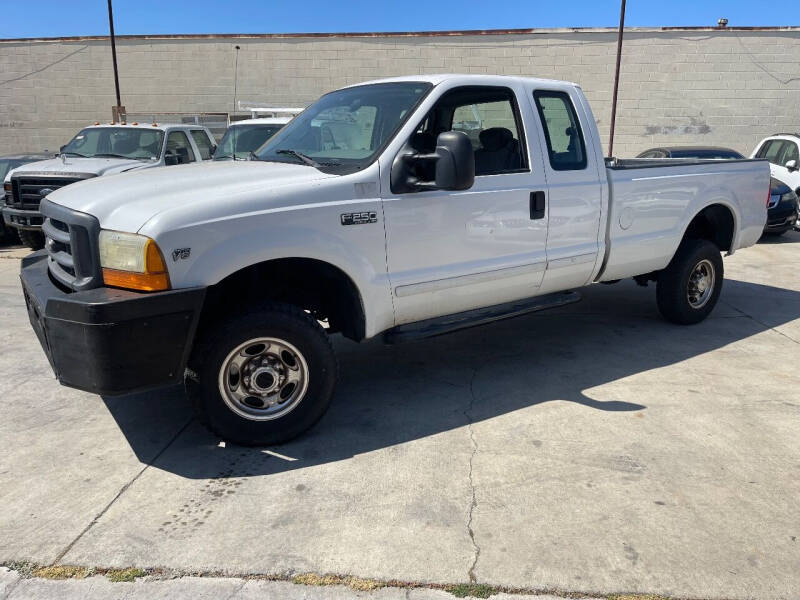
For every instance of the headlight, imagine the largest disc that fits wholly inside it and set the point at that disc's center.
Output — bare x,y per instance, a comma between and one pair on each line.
132,261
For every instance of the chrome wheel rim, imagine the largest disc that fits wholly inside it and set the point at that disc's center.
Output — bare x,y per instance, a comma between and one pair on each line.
701,284
263,379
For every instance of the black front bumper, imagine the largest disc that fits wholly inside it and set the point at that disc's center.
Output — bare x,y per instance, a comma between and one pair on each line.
22,219
110,341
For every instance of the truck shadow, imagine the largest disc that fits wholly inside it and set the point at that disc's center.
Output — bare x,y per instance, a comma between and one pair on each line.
790,237
389,395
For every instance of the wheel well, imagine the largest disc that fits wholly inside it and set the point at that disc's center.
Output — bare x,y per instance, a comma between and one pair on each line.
313,285
714,223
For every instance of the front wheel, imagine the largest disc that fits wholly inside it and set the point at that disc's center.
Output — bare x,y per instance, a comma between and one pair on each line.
688,289
263,377
32,239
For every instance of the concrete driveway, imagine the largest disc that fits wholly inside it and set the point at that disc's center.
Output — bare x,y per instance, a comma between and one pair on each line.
593,449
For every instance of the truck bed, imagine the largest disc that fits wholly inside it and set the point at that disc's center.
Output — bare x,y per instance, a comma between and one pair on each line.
652,201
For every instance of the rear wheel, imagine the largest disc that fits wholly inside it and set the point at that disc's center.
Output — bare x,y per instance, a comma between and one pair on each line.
32,239
264,377
688,289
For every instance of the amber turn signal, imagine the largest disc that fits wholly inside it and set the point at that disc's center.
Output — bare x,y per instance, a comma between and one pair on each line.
154,279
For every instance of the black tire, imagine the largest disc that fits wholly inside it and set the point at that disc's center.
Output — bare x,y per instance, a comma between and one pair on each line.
273,320
673,282
32,239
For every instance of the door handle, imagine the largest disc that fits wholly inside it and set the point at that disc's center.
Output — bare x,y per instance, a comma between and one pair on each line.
537,205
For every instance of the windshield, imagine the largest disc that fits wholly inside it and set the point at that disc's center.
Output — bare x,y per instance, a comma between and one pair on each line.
6,165
345,130
116,142
240,140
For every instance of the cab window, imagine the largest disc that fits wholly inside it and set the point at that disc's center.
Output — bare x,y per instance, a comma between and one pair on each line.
562,130
178,145
489,116
203,143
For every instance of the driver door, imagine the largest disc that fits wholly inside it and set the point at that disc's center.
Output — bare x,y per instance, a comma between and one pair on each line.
449,252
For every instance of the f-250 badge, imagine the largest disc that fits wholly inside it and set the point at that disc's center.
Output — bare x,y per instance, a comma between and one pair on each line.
180,254
359,218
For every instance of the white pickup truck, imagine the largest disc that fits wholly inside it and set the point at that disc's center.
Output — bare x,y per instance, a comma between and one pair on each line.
96,151
404,207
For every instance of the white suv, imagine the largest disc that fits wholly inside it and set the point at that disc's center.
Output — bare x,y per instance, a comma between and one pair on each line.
782,150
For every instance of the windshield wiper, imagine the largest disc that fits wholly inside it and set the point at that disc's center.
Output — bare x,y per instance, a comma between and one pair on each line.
306,159
110,155
75,154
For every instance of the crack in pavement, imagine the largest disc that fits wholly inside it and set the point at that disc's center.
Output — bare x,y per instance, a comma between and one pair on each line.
11,587
122,490
474,502
237,590
752,318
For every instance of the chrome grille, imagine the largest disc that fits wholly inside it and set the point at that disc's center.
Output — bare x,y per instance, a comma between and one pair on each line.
26,192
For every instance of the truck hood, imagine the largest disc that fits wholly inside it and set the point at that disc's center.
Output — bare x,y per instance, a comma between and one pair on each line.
74,164
126,202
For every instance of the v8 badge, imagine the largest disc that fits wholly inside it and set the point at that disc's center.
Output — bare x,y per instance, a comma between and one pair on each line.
180,254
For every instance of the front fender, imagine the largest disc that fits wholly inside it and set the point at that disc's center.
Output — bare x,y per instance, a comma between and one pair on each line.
221,248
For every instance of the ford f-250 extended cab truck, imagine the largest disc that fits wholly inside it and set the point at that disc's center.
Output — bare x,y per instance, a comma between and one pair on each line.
97,151
404,207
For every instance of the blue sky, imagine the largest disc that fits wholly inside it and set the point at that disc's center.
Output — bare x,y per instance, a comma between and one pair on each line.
48,18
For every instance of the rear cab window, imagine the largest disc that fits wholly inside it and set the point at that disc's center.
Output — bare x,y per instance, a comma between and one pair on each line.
562,130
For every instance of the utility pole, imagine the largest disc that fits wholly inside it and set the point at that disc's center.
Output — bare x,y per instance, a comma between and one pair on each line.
235,77
616,79
118,111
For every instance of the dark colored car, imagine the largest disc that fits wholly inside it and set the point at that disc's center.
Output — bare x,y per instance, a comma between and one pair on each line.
12,161
704,152
782,208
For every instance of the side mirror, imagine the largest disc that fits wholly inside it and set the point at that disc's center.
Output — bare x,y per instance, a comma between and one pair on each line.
213,149
172,159
452,163
791,165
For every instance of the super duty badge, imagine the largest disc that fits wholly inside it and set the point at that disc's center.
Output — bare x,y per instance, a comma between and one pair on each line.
359,218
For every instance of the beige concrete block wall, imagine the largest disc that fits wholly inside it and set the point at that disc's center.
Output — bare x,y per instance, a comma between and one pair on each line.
728,87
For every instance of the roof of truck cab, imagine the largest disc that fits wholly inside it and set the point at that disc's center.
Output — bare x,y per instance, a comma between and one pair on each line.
262,121
469,79
157,126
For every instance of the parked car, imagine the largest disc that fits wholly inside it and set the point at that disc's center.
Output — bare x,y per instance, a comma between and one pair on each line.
97,151
700,152
8,162
220,275
245,137
782,209
781,150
